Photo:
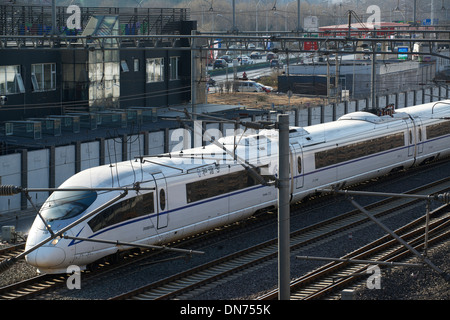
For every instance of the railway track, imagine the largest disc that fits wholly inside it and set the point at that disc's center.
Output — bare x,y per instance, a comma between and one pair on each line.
328,280
210,274
11,251
31,287
36,286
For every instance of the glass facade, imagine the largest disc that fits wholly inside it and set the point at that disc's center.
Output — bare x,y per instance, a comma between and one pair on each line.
173,68
43,77
104,64
155,70
104,78
11,80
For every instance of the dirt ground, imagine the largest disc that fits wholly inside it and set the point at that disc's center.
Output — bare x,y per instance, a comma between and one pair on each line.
262,100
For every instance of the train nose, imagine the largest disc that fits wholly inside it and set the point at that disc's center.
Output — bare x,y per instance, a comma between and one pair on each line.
46,257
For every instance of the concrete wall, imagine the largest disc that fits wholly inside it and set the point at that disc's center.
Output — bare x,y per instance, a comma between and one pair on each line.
391,76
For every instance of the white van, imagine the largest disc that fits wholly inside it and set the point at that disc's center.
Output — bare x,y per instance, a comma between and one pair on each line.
248,86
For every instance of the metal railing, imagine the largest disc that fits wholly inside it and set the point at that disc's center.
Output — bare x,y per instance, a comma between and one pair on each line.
37,20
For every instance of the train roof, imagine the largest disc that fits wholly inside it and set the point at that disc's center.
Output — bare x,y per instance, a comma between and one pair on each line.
191,160
431,110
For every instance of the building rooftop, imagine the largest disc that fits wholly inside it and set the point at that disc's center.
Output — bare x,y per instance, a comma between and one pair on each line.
166,118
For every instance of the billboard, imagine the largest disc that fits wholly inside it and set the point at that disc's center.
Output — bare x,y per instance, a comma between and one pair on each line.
402,53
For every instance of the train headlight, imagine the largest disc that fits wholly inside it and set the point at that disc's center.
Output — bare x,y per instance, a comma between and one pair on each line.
56,240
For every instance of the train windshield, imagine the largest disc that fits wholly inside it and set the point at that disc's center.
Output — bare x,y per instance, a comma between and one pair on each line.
62,205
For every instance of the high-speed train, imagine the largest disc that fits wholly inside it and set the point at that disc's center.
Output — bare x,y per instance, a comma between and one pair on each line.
197,189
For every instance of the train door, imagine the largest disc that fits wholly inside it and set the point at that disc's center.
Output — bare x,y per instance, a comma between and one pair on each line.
161,202
410,137
419,136
297,166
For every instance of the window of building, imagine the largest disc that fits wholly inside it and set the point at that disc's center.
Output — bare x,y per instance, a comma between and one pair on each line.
9,129
124,66
155,70
174,68
43,76
11,80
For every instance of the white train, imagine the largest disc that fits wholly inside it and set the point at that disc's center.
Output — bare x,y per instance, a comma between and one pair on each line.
201,188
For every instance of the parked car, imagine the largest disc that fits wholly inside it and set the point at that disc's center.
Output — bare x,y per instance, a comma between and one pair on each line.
219,64
265,88
255,55
248,86
227,58
275,63
270,56
244,60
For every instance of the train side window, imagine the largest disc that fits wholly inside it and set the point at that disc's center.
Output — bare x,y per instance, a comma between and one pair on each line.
208,188
299,165
420,134
125,210
357,150
162,199
148,203
410,137
437,130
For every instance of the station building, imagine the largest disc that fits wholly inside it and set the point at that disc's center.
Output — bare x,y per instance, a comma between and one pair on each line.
41,75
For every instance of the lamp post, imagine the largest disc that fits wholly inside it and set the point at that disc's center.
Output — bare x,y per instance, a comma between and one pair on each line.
234,28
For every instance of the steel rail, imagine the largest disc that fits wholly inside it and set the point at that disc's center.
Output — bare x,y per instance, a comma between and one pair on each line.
324,276
199,276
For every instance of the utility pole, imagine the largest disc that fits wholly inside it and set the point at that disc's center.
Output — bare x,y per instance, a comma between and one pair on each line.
54,26
415,13
328,80
336,76
234,29
193,75
432,13
374,75
284,271
299,20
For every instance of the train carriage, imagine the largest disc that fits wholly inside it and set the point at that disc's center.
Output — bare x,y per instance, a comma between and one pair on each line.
201,188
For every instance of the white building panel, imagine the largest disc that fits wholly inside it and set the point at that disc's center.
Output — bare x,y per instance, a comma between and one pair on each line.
90,155
64,163
156,143
113,150
38,174
315,115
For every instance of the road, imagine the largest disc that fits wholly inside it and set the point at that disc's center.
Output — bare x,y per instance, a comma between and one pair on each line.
251,74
